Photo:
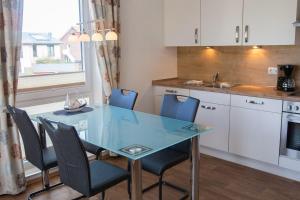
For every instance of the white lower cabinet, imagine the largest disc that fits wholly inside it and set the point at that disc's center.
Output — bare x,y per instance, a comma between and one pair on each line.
213,111
255,133
216,116
242,125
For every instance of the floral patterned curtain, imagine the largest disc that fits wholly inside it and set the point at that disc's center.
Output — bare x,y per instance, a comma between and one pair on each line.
12,178
107,51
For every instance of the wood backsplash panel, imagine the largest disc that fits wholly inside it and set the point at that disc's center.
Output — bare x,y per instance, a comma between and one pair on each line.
242,65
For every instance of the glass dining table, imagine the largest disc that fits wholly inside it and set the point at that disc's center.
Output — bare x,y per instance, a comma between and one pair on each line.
131,134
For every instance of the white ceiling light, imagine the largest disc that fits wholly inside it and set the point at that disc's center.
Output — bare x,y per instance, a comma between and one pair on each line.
97,37
111,35
84,37
73,38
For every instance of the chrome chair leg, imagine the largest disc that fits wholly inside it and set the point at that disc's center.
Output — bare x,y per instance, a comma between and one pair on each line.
45,179
30,197
103,195
77,198
160,183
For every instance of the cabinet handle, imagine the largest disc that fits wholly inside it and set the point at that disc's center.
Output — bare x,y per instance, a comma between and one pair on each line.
196,34
255,102
246,34
171,91
208,107
237,34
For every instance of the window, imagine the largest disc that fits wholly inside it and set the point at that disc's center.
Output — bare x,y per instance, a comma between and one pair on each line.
34,51
50,66
49,60
51,50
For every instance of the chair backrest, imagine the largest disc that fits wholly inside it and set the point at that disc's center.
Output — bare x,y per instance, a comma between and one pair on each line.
123,98
30,137
72,160
185,110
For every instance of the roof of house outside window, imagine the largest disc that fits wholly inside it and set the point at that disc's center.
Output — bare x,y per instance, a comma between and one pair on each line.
39,38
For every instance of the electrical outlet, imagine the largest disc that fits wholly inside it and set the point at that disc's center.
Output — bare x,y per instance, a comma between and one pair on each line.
272,70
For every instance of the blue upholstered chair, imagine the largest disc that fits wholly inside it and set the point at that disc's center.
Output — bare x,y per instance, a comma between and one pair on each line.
161,161
75,170
42,158
123,98
120,98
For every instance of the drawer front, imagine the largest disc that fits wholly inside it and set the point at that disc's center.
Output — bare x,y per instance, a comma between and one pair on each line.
270,105
211,97
170,90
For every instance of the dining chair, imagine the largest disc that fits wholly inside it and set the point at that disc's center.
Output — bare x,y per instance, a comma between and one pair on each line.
88,178
42,158
120,98
177,107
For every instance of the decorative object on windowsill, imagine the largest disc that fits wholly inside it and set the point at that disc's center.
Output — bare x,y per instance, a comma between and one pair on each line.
75,105
96,36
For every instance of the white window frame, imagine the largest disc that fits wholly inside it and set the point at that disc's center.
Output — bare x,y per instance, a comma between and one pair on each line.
58,93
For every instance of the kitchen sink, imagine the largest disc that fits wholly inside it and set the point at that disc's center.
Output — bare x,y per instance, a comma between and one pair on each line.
209,84
218,85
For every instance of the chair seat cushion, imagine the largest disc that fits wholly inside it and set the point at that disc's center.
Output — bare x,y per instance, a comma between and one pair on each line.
157,163
91,148
49,156
105,175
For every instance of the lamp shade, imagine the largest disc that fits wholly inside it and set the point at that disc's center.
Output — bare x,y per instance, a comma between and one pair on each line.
73,38
84,37
97,37
111,35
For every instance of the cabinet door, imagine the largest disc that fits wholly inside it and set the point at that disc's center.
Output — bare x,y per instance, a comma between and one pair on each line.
181,22
216,116
255,134
221,22
269,22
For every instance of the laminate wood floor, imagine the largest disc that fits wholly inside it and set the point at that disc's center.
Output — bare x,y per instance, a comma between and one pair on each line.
219,180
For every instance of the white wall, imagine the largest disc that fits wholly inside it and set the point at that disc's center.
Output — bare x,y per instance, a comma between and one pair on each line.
143,56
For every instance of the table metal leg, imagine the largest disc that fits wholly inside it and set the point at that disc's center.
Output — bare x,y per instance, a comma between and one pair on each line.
136,180
195,168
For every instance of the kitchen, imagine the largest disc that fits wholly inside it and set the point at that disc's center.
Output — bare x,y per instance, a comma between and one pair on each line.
242,63
236,60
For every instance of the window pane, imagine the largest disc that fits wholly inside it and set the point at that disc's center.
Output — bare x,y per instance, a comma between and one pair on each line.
48,60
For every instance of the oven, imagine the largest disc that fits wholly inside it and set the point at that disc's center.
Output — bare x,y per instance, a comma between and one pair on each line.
290,130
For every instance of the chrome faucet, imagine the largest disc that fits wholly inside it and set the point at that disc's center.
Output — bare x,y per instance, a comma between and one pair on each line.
215,78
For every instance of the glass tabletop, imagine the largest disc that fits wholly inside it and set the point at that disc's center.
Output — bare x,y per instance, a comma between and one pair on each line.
128,133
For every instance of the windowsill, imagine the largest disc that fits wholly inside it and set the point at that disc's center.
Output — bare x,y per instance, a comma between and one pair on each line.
51,87
50,81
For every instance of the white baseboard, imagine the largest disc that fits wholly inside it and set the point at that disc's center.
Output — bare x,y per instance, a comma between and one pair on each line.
269,168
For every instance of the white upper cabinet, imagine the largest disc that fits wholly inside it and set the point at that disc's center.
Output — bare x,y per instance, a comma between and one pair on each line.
182,22
269,22
221,22
230,22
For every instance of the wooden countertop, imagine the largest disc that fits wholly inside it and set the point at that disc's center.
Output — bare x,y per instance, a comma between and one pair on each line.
246,90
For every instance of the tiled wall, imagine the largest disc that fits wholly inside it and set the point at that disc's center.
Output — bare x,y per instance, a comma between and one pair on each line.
243,65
